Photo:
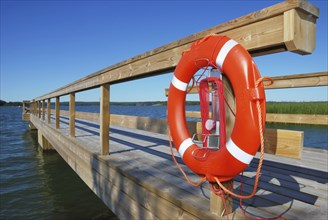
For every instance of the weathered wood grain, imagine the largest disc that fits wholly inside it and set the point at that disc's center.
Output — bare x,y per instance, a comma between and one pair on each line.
104,119
299,80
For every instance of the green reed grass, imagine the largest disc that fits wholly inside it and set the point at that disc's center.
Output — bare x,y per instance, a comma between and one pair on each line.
320,108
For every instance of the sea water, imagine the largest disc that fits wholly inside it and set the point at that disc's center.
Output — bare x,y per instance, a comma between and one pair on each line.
36,184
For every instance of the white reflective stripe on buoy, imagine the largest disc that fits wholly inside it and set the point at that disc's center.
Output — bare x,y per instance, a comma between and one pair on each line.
224,52
184,146
179,84
238,153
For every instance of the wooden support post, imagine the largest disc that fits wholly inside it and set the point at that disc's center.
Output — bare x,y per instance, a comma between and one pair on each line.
24,112
38,109
72,114
23,109
43,142
57,112
218,205
33,108
32,126
43,110
104,119
48,111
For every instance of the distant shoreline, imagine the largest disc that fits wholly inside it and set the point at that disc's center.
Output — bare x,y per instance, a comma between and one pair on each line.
320,108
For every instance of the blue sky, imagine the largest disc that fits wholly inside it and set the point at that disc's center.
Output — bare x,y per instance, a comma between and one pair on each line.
48,44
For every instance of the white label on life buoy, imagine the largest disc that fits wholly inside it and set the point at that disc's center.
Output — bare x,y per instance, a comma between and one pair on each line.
238,153
179,84
224,52
184,146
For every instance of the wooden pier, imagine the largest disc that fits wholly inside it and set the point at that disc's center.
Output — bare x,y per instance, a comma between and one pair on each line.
126,160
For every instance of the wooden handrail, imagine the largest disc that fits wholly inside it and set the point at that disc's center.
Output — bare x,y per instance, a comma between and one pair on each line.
261,32
300,80
289,81
287,26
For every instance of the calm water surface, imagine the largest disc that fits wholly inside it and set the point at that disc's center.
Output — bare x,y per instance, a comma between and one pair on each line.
36,184
40,185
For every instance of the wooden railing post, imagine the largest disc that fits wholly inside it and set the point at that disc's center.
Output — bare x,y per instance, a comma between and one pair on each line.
57,111
104,119
23,109
43,110
217,205
39,109
72,114
33,107
49,111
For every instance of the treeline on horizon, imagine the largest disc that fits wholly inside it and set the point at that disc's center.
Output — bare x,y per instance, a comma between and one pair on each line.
4,103
320,108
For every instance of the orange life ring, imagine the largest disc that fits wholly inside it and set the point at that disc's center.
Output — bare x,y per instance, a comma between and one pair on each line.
235,62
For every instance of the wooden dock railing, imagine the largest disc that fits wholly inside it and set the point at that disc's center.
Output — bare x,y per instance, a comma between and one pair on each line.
271,30
287,26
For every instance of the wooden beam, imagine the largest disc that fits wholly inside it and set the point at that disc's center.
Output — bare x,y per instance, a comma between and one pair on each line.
261,32
285,143
24,106
32,107
57,108
43,110
25,111
104,119
288,81
72,114
48,110
38,109
297,119
300,80
299,31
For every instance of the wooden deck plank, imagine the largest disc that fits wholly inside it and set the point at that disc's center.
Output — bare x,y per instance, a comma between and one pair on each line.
163,139
123,165
310,157
132,147
144,157
132,162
